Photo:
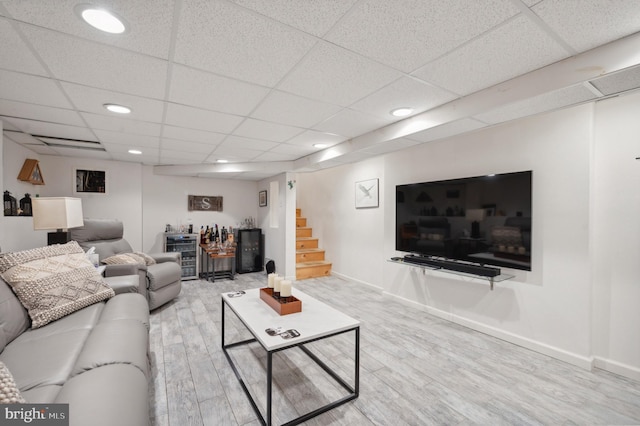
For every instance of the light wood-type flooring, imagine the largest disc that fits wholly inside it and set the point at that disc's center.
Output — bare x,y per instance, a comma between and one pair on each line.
415,369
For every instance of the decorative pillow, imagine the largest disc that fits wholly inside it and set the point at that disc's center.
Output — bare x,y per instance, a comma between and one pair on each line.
9,392
124,259
148,259
53,281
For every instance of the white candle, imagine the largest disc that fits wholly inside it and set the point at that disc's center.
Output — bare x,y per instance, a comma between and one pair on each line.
276,284
285,288
270,280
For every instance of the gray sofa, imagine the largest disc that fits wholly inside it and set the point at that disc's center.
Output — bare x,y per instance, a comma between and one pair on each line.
159,282
95,359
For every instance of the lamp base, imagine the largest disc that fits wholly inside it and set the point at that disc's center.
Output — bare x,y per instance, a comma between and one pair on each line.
59,237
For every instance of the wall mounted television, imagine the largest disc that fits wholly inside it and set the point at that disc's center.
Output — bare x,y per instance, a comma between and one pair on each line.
483,219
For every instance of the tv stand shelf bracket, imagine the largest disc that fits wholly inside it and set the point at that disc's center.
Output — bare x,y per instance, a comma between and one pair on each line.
492,280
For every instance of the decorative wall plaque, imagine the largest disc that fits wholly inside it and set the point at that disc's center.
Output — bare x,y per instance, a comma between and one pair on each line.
205,203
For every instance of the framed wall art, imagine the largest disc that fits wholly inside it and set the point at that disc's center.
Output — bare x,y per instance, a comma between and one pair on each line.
262,198
366,194
89,181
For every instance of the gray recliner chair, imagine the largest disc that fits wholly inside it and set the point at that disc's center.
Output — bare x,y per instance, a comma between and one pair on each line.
159,282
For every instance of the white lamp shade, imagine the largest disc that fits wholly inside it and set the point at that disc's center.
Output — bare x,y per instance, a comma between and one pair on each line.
57,213
475,215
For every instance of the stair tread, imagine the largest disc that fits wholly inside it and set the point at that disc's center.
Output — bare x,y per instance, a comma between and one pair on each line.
312,263
306,238
309,250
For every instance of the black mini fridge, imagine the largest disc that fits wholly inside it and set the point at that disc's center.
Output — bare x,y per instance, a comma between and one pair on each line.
249,250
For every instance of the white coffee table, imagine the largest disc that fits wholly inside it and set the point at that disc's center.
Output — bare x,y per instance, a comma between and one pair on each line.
317,321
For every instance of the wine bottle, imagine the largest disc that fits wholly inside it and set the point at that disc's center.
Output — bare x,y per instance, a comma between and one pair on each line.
216,235
201,234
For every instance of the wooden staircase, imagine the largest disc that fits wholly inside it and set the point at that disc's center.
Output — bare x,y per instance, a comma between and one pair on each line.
310,261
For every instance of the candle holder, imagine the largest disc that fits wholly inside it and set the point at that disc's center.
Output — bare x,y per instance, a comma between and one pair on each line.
282,305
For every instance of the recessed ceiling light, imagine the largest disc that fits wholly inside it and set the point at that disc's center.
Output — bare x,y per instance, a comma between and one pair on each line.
401,112
119,109
135,151
101,19
319,145
222,161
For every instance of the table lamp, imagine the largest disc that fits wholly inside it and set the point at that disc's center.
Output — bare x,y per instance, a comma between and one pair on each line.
59,213
475,216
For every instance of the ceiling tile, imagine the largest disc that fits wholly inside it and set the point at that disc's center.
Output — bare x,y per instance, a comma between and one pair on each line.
258,129
335,75
31,89
541,103
40,113
16,54
621,81
90,99
186,134
512,49
274,156
144,159
247,143
310,137
41,128
148,32
229,40
314,17
446,130
170,154
22,138
200,119
202,149
42,149
117,124
233,154
131,141
209,91
98,65
585,24
297,150
285,108
407,34
405,92
352,123
82,153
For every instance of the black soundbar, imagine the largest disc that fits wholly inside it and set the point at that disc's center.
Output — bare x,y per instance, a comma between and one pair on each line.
467,268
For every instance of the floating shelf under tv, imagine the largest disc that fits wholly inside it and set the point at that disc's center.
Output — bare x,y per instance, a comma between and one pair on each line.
490,279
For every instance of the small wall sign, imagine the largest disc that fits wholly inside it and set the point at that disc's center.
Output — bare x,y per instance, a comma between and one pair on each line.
206,203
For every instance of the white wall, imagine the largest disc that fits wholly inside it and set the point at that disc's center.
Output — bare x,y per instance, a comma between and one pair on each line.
547,309
616,235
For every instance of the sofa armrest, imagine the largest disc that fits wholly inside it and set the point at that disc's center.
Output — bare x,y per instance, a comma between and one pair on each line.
123,283
167,257
124,269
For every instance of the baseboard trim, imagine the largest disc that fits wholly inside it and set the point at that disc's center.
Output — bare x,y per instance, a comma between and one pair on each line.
575,359
617,368
348,278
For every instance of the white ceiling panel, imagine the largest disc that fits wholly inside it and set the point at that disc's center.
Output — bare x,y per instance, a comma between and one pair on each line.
248,143
311,137
131,141
202,149
193,135
144,159
446,130
200,119
407,34
515,48
285,108
298,150
352,123
147,26
124,125
541,103
41,128
233,154
21,138
108,67
31,89
585,24
622,81
229,40
403,92
270,156
42,149
335,75
258,129
314,17
15,54
90,99
40,113
82,153
170,155
391,146
209,91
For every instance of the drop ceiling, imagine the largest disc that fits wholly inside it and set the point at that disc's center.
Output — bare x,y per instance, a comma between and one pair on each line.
259,82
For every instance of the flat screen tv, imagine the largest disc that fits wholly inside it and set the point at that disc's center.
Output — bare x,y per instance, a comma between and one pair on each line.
482,219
